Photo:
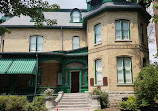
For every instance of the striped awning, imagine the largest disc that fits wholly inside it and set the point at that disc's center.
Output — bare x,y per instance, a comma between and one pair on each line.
4,65
23,66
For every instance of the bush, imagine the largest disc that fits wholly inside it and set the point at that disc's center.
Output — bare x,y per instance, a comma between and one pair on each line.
103,97
129,105
146,88
12,103
37,105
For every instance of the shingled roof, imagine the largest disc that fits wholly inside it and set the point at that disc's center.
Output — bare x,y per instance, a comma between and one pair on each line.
63,19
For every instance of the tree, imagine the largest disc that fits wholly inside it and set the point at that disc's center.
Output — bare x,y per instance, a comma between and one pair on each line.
146,88
32,8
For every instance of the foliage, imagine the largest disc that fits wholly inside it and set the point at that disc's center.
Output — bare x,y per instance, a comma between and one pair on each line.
12,103
129,105
142,2
32,8
103,97
37,105
146,88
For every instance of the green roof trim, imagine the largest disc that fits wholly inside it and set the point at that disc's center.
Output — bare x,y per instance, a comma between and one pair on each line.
4,65
89,1
23,66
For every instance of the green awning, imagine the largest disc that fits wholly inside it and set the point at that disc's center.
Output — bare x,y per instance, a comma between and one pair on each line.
4,65
23,66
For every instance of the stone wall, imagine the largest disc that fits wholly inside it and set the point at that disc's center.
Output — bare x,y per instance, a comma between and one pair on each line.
116,96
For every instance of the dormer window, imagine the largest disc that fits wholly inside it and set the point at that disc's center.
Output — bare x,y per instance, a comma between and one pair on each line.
76,16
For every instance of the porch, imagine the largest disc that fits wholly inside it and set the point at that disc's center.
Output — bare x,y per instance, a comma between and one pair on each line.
61,71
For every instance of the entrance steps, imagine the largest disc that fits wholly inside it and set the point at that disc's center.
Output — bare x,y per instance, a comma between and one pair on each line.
73,102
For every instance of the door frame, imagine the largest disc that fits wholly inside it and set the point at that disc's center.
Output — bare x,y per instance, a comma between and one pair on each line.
78,81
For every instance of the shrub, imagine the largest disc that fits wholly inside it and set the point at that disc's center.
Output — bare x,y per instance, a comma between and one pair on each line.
3,100
129,105
12,103
103,97
37,105
146,88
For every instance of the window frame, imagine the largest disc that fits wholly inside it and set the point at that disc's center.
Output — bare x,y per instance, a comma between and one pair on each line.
96,72
124,74
122,30
36,43
95,38
73,41
80,16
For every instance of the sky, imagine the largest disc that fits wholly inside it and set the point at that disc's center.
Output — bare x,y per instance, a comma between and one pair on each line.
69,4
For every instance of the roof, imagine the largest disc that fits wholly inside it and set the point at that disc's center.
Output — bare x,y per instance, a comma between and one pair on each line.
63,19
63,16
116,6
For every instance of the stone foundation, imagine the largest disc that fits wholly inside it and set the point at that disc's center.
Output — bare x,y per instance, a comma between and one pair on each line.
116,96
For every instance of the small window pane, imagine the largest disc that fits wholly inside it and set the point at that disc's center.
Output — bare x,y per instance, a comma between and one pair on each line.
120,76
76,16
98,33
32,44
39,44
126,30
118,30
76,43
120,63
128,76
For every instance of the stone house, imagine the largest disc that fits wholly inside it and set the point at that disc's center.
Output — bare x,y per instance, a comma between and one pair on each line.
105,45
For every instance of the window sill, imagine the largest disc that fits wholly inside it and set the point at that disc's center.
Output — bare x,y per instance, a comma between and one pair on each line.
130,84
96,85
123,41
97,44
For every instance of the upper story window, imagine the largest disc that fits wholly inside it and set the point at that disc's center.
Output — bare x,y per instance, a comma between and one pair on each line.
97,30
36,44
76,16
124,70
122,29
76,42
98,72
142,33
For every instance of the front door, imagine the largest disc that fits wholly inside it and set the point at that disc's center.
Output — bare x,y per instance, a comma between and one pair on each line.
75,82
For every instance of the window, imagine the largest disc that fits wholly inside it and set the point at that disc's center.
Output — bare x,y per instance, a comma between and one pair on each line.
124,70
36,44
98,72
76,16
76,42
142,33
97,29
122,30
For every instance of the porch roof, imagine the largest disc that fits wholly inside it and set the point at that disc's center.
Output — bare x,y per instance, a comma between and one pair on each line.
23,66
4,65
18,66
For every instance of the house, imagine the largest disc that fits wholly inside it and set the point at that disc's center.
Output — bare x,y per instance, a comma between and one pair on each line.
105,45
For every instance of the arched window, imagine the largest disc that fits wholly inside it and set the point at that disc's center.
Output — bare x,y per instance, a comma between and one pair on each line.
36,44
76,42
98,72
76,16
122,29
97,30
124,70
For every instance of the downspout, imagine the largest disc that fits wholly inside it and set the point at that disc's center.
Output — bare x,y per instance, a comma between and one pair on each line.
62,38
36,75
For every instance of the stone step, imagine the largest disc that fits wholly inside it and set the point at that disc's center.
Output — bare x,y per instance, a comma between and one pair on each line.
73,103
73,106
73,100
73,109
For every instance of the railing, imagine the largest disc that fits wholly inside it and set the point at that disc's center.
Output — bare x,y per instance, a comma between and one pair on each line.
17,91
